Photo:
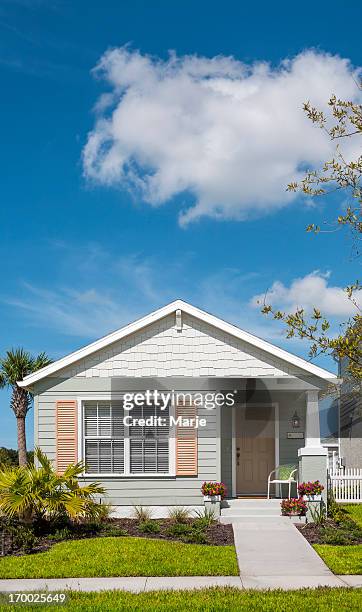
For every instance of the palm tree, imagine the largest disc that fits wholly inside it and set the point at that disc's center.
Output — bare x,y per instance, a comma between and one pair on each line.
13,368
38,492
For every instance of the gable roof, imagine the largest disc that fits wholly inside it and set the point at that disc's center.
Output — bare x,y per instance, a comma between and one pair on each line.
163,312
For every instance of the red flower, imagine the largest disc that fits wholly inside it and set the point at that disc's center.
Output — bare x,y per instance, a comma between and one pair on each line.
214,488
310,488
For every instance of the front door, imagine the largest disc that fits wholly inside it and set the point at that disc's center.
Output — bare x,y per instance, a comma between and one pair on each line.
255,448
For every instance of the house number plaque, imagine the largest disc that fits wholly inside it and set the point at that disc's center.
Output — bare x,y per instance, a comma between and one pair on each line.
295,435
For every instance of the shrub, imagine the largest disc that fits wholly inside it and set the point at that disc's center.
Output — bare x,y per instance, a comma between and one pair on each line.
39,493
142,514
179,514
205,518
214,488
110,530
23,538
61,534
310,488
335,512
194,537
179,529
337,537
149,527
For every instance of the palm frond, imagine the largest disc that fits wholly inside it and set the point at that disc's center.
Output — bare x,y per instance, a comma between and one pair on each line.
40,491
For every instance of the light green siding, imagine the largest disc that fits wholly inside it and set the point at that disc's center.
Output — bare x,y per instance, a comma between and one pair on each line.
130,491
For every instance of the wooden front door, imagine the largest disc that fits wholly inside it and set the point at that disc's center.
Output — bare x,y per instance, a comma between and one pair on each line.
255,448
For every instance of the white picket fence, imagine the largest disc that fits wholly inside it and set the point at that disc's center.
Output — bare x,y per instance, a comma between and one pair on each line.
346,484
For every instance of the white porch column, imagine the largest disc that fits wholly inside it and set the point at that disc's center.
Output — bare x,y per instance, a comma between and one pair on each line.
312,425
313,457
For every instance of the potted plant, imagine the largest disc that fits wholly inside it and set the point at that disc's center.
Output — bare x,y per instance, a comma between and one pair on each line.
213,491
311,491
295,506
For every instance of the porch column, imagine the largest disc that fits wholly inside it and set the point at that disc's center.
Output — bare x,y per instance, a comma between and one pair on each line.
313,457
312,425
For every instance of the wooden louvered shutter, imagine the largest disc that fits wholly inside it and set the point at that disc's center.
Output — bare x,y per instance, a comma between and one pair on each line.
66,434
186,442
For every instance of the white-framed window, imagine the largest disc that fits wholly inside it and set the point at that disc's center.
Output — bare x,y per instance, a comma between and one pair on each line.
112,447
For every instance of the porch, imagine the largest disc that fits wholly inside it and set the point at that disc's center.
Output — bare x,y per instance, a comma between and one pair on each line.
269,428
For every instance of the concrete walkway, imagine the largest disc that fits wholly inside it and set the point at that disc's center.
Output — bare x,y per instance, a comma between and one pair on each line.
139,585
274,554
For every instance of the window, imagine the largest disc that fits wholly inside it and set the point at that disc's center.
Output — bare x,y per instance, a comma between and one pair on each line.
149,444
110,447
103,438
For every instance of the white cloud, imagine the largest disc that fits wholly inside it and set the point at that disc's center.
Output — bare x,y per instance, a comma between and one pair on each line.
229,134
308,292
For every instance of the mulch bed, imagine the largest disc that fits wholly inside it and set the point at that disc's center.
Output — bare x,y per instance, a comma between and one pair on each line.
217,534
315,534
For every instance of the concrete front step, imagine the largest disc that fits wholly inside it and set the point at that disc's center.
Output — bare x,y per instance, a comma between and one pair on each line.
247,501
270,519
251,507
251,511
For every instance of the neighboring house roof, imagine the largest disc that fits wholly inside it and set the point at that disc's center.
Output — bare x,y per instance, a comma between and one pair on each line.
163,312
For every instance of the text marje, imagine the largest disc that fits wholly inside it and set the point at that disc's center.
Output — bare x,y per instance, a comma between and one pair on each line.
158,421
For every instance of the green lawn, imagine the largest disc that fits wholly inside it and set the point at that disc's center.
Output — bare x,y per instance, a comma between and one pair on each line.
341,559
346,559
123,557
210,599
355,512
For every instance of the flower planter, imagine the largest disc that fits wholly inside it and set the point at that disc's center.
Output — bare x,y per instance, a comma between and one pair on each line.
311,491
312,498
295,506
212,498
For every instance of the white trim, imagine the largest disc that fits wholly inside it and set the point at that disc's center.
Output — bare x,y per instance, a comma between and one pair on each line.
233,451
163,312
126,474
218,443
306,451
275,406
276,432
81,453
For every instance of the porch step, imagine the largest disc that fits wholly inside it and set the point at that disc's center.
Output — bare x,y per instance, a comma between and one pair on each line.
272,521
251,511
251,508
251,501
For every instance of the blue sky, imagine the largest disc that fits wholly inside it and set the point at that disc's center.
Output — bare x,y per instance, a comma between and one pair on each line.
94,235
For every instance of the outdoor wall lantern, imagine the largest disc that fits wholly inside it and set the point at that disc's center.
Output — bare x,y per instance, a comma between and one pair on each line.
295,420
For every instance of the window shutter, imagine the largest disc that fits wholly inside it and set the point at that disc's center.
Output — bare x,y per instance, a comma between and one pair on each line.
186,442
66,434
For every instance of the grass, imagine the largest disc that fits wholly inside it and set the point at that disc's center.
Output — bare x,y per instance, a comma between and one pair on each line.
345,559
124,556
341,559
227,599
355,512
